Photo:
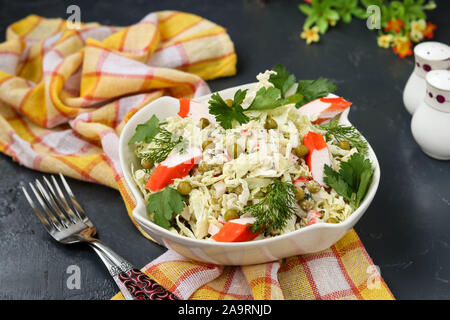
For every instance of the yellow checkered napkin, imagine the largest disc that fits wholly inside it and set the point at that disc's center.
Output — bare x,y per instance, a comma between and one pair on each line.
65,95
345,271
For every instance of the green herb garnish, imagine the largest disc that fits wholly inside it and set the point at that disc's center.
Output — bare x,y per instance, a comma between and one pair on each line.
163,144
282,80
164,205
225,114
352,179
275,208
146,131
266,99
314,89
345,133
269,98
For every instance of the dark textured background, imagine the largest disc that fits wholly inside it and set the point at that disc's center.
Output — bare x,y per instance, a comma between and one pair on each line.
406,229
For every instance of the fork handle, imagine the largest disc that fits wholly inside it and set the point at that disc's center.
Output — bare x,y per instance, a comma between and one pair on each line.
134,284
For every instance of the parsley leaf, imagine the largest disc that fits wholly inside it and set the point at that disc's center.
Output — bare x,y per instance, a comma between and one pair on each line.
165,205
225,114
266,98
282,80
146,131
294,98
314,89
352,180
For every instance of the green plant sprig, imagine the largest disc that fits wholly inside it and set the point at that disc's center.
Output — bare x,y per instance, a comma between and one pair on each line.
164,142
275,208
326,13
348,133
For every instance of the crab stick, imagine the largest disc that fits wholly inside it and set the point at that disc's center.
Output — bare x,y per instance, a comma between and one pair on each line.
313,217
318,155
324,108
236,230
195,110
301,181
174,167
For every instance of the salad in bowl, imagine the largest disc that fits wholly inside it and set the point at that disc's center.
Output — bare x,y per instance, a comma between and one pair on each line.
271,160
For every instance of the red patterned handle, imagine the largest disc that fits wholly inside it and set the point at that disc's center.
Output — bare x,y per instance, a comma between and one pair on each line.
134,284
140,287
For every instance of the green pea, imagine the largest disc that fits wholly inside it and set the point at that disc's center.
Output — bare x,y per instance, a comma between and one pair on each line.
313,186
270,123
301,151
344,144
204,123
231,214
307,204
184,188
147,163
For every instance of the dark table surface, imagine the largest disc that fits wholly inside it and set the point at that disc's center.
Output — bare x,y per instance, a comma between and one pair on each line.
405,230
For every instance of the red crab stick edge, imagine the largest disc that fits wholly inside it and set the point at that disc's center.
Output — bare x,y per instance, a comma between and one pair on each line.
195,110
176,166
236,230
318,155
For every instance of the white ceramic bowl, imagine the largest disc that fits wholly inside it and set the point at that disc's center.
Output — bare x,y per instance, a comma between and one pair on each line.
310,239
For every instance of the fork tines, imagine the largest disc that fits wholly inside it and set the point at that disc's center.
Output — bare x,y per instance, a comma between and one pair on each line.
58,213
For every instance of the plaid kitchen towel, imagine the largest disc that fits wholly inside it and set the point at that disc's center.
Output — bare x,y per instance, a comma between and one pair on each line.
65,94
345,271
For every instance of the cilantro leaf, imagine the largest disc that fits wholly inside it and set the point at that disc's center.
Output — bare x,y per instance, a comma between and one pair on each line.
366,175
314,89
266,98
352,180
352,170
294,98
239,97
334,180
146,131
225,114
165,205
282,80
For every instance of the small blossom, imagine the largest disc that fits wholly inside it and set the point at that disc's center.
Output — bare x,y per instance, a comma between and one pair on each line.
416,36
402,46
311,35
395,25
417,28
385,40
428,32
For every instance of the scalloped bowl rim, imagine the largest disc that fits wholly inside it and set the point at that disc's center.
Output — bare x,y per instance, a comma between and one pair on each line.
125,166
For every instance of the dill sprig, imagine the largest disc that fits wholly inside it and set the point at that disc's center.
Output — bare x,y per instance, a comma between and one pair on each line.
349,133
164,142
275,209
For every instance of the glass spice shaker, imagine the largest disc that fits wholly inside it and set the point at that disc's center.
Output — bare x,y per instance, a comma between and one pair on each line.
429,56
430,124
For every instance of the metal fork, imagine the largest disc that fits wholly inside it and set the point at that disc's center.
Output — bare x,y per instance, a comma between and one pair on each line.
66,221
